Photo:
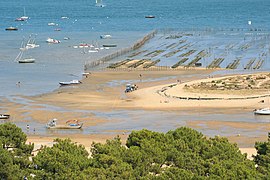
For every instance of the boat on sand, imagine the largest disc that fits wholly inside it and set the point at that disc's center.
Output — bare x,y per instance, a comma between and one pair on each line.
4,116
70,124
73,82
263,111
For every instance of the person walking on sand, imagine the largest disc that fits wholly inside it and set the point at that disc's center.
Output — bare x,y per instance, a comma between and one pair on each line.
140,77
18,84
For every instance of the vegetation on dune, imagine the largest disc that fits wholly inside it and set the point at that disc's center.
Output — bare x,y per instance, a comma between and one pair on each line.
178,154
258,82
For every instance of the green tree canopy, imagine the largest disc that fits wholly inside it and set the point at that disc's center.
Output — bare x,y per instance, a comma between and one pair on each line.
178,154
65,160
14,153
262,158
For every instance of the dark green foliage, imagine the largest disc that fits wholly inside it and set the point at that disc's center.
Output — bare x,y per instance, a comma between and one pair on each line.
11,136
64,160
180,154
14,153
262,158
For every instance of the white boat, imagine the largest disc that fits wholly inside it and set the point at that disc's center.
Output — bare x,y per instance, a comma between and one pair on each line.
99,3
70,124
52,24
263,111
53,41
4,116
23,18
105,36
20,58
93,51
31,43
27,60
85,45
73,82
149,16
19,19
86,73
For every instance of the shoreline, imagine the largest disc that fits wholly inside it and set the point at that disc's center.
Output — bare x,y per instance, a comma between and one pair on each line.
100,102
87,141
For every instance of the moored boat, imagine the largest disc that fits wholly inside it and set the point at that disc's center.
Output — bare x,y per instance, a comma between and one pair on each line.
263,111
4,116
70,124
52,24
150,16
27,60
11,28
53,41
21,59
31,43
20,19
109,45
105,36
99,3
73,82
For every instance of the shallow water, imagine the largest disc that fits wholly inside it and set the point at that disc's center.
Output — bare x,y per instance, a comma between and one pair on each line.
162,121
124,20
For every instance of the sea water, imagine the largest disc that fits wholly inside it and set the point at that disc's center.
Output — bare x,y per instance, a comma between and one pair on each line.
124,20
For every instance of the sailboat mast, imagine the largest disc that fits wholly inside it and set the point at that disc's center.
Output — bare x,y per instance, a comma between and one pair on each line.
19,56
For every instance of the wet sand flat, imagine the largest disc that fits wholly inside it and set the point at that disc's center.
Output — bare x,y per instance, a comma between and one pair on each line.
100,102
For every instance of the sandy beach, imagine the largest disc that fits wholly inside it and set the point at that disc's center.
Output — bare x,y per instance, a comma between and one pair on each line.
87,141
103,92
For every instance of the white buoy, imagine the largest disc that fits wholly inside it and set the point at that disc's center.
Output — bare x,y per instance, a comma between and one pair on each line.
249,22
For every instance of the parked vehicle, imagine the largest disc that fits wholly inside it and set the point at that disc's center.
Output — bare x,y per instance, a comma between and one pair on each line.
131,87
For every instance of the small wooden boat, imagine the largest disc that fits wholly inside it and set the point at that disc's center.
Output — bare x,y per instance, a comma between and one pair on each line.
11,28
73,82
70,124
4,116
263,111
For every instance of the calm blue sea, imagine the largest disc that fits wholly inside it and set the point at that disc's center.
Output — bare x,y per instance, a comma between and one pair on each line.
123,19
